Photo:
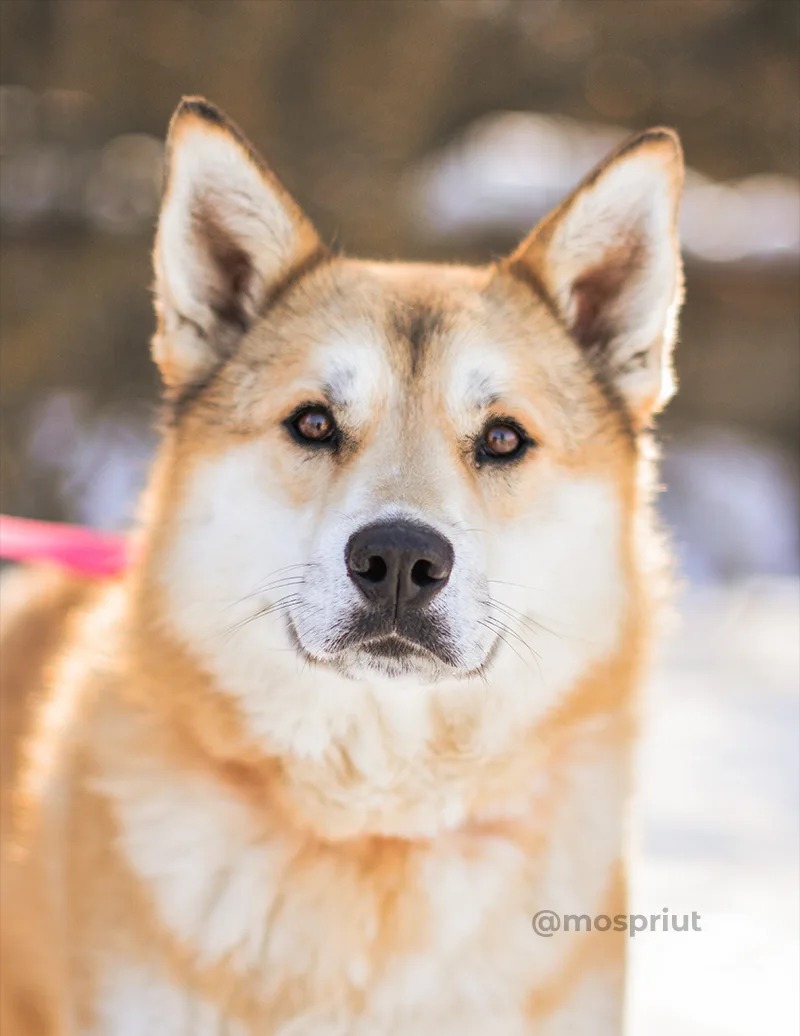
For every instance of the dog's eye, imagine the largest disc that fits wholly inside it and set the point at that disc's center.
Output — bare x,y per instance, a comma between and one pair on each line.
502,440
313,424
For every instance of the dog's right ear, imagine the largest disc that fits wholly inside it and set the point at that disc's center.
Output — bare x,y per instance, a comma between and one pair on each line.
228,235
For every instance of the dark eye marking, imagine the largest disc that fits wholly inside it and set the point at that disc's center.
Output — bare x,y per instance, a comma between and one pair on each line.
502,440
312,424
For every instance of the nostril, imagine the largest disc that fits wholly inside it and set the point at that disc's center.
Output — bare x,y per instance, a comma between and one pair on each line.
425,573
375,571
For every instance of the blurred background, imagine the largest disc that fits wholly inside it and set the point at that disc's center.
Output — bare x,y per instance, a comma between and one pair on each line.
444,129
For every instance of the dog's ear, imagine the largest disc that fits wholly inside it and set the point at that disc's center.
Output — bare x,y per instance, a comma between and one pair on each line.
228,234
609,262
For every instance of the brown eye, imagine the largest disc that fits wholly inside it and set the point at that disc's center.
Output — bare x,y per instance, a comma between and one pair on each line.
313,424
502,441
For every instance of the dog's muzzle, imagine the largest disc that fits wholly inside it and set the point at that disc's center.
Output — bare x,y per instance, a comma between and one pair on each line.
398,567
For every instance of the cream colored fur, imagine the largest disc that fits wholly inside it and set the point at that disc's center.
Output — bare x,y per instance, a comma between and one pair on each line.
231,824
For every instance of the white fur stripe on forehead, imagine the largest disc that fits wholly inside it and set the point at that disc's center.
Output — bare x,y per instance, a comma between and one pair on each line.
227,232
478,376
609,260
355,371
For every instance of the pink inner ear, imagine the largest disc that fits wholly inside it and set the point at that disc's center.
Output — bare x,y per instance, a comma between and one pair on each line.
595,292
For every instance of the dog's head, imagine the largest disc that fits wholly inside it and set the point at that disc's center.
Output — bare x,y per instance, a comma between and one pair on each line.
401,471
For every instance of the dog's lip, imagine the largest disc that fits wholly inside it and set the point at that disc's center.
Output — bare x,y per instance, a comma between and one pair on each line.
412,648
384,645
394,645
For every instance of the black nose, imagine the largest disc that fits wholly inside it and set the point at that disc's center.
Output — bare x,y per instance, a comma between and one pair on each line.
399,564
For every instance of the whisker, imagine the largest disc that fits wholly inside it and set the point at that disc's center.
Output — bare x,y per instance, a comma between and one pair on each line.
513,613
349,518
278,584
522,586
497,633
521,639
464,528
529,618
278,572
280,605
530,621
514,633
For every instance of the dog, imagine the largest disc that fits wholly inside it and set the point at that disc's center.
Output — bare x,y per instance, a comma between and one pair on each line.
363,702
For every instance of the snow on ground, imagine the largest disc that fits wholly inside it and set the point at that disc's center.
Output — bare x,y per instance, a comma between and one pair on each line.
716,826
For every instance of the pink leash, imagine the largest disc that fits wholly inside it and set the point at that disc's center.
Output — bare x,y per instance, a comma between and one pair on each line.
74,547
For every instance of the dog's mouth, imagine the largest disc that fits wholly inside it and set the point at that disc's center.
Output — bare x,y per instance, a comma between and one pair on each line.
368,644
405,643
393,646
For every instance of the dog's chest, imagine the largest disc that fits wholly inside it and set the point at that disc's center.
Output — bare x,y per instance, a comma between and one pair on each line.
363,936
337,951
378,930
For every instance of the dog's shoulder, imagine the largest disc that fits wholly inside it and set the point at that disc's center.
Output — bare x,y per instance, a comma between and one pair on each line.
38,606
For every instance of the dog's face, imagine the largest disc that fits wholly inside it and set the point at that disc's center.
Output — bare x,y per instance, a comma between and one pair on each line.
398,471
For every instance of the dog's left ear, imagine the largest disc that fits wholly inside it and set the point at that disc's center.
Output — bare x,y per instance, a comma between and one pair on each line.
228,234
609,261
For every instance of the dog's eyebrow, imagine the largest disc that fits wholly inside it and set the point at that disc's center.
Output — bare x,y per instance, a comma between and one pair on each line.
338,387
480,392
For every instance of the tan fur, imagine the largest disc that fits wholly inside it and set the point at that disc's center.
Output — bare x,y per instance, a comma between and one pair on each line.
336,853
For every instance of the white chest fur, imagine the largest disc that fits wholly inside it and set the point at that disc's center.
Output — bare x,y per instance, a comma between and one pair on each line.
457,953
